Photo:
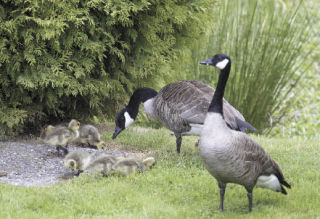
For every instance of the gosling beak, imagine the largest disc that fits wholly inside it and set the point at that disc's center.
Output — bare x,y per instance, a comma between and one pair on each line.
116,132
207,62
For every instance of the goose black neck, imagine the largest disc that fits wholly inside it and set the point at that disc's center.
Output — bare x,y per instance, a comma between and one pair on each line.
216,104
139,95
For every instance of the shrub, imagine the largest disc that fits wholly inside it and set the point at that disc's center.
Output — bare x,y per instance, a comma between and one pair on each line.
63,59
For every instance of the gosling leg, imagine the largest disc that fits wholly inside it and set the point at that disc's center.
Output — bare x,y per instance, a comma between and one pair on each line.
63,149
78,172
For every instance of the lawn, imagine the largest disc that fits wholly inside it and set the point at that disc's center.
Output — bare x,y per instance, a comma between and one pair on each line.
177,187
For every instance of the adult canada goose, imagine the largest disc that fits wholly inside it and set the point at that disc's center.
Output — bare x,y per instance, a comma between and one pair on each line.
230,156
127,166
181,107
102,164
60,137
88,134
77,160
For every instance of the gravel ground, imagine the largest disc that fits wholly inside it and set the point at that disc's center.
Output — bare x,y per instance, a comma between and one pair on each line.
37,164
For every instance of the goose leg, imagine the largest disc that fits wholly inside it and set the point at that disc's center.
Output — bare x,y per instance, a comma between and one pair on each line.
78,172
222,187
63,149
178,141
58,150
250,199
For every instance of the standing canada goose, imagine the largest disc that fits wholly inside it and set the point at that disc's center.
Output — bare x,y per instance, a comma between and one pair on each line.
230,156
127,166
102,164
77,161
60,137
181,107
88,134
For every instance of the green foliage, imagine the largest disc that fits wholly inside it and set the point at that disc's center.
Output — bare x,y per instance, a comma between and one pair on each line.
266,43
303,118
63,59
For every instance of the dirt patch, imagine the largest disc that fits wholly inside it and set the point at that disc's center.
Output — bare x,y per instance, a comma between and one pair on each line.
32,163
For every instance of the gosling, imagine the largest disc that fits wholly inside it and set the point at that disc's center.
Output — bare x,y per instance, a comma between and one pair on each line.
128,166
47,131
60,137
90,135
77,161
102,164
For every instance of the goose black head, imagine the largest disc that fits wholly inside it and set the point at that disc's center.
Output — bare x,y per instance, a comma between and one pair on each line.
123,121
219,61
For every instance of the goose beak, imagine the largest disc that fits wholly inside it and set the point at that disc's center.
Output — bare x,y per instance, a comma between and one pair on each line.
207,62
116,132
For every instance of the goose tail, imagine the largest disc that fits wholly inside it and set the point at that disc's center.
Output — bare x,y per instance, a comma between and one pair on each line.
243,126
283,182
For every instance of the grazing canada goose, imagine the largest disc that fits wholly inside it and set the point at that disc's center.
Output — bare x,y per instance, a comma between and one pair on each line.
61,136
230,156
102,164
181,107
127,166
77,160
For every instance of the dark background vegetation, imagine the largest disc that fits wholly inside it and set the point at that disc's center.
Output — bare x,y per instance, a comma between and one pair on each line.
83,59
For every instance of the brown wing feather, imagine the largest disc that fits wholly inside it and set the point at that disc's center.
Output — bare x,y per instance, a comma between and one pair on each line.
261,163
184,102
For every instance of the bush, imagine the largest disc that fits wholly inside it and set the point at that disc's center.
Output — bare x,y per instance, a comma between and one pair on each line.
76,59
266,43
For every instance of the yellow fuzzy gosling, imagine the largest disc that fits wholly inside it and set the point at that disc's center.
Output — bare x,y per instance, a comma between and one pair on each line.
102,164
47,131
88,134
101,145
60,137
127,166
77,161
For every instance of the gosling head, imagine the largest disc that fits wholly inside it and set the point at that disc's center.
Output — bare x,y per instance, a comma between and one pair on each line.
71,164
219,61
149,161
123,121
74,125
101,145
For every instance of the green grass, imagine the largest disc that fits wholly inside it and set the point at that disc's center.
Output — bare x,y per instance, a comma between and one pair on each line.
177,187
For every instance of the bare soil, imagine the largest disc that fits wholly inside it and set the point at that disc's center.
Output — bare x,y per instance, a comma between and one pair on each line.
32,163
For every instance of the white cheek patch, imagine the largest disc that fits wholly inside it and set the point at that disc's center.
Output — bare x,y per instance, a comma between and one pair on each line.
269,182
148,107
221,65
128,120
